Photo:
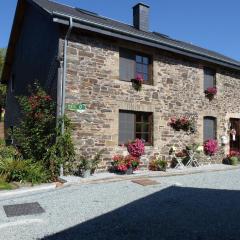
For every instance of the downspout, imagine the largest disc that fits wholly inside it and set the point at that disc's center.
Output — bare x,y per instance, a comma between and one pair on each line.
65,70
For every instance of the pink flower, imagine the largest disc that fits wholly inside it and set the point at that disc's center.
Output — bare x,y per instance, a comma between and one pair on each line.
139,78
210,147
211,91
136,148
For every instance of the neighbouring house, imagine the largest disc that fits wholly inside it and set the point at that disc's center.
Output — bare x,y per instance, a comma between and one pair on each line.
88,62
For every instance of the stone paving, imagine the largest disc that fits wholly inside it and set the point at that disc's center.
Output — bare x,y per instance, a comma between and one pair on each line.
190,207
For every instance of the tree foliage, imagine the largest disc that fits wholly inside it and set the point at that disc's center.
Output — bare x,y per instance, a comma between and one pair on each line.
2,87
2,56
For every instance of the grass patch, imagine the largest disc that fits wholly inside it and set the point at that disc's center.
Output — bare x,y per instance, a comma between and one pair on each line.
5,185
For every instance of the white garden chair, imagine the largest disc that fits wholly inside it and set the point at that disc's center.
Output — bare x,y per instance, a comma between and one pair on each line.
179,164
193,161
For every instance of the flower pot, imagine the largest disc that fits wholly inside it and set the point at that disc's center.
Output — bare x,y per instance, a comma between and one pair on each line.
210,96
129,171
85,173
136,85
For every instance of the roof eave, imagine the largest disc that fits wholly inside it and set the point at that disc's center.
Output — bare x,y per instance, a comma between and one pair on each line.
114,32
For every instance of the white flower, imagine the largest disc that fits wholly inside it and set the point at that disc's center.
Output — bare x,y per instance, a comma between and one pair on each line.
200,149
173,148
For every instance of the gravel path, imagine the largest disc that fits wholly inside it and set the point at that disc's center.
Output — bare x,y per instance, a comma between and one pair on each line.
199,206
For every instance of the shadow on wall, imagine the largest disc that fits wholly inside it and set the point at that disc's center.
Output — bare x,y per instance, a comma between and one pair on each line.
174,213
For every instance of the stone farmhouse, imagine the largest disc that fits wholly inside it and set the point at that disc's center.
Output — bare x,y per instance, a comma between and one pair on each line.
88,62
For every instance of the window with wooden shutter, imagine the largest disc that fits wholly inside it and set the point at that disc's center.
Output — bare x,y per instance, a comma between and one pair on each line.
209,78
209,128
126,126
132,63
127,65
134,125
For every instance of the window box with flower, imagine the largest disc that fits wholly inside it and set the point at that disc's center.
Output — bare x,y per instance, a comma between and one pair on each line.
184,123
137,82
210,92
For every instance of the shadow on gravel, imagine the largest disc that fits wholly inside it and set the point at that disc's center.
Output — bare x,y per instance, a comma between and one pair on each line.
174,213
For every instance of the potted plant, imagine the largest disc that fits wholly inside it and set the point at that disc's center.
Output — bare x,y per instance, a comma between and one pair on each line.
136,148
84,166
137,82
96,160
125,164
210,147
182,123
158,164
210,92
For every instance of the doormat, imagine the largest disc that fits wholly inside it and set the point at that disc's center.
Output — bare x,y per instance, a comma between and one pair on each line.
23,209
145,182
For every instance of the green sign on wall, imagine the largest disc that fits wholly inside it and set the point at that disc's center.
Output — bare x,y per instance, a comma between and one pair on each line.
76,107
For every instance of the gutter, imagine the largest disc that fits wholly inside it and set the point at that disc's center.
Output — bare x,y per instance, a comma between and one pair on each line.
86,24
64,76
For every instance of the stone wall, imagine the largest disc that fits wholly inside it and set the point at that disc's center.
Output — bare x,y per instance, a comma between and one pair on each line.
93,79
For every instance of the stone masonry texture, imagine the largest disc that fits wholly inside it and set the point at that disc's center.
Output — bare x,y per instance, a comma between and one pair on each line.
177,90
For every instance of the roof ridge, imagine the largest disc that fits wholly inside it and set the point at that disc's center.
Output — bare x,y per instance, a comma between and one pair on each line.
129,29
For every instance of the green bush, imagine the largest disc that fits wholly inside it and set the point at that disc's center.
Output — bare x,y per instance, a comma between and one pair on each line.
233,160
19,170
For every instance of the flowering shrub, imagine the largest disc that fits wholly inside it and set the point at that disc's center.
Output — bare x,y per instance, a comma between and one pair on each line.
182,123
136,148
210,147
39,133
137,82
122,164
211,92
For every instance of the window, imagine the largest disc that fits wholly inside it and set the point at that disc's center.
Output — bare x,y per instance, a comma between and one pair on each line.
134,125
209,78
210,126
132,63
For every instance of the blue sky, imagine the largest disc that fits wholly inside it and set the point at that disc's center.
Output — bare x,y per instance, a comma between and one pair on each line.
213,24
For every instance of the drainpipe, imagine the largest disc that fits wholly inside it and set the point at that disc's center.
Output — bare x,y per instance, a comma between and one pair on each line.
65,69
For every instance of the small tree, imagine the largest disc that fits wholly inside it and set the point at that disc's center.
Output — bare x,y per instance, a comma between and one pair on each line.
37,135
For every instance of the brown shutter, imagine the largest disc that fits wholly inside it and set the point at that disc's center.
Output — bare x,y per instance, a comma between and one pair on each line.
126,127
209,78
126,65
209,128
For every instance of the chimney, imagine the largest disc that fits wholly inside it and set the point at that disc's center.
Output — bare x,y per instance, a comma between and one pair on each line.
141,17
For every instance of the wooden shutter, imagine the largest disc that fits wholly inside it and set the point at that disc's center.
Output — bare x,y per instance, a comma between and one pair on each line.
209,128
126,65
209,78
126,127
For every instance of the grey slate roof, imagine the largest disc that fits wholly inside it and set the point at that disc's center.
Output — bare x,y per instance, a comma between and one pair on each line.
52,7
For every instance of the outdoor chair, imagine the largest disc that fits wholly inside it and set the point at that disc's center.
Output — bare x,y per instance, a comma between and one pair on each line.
179,162
193,161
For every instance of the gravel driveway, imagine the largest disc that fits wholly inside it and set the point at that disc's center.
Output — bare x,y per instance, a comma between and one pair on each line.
200,206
